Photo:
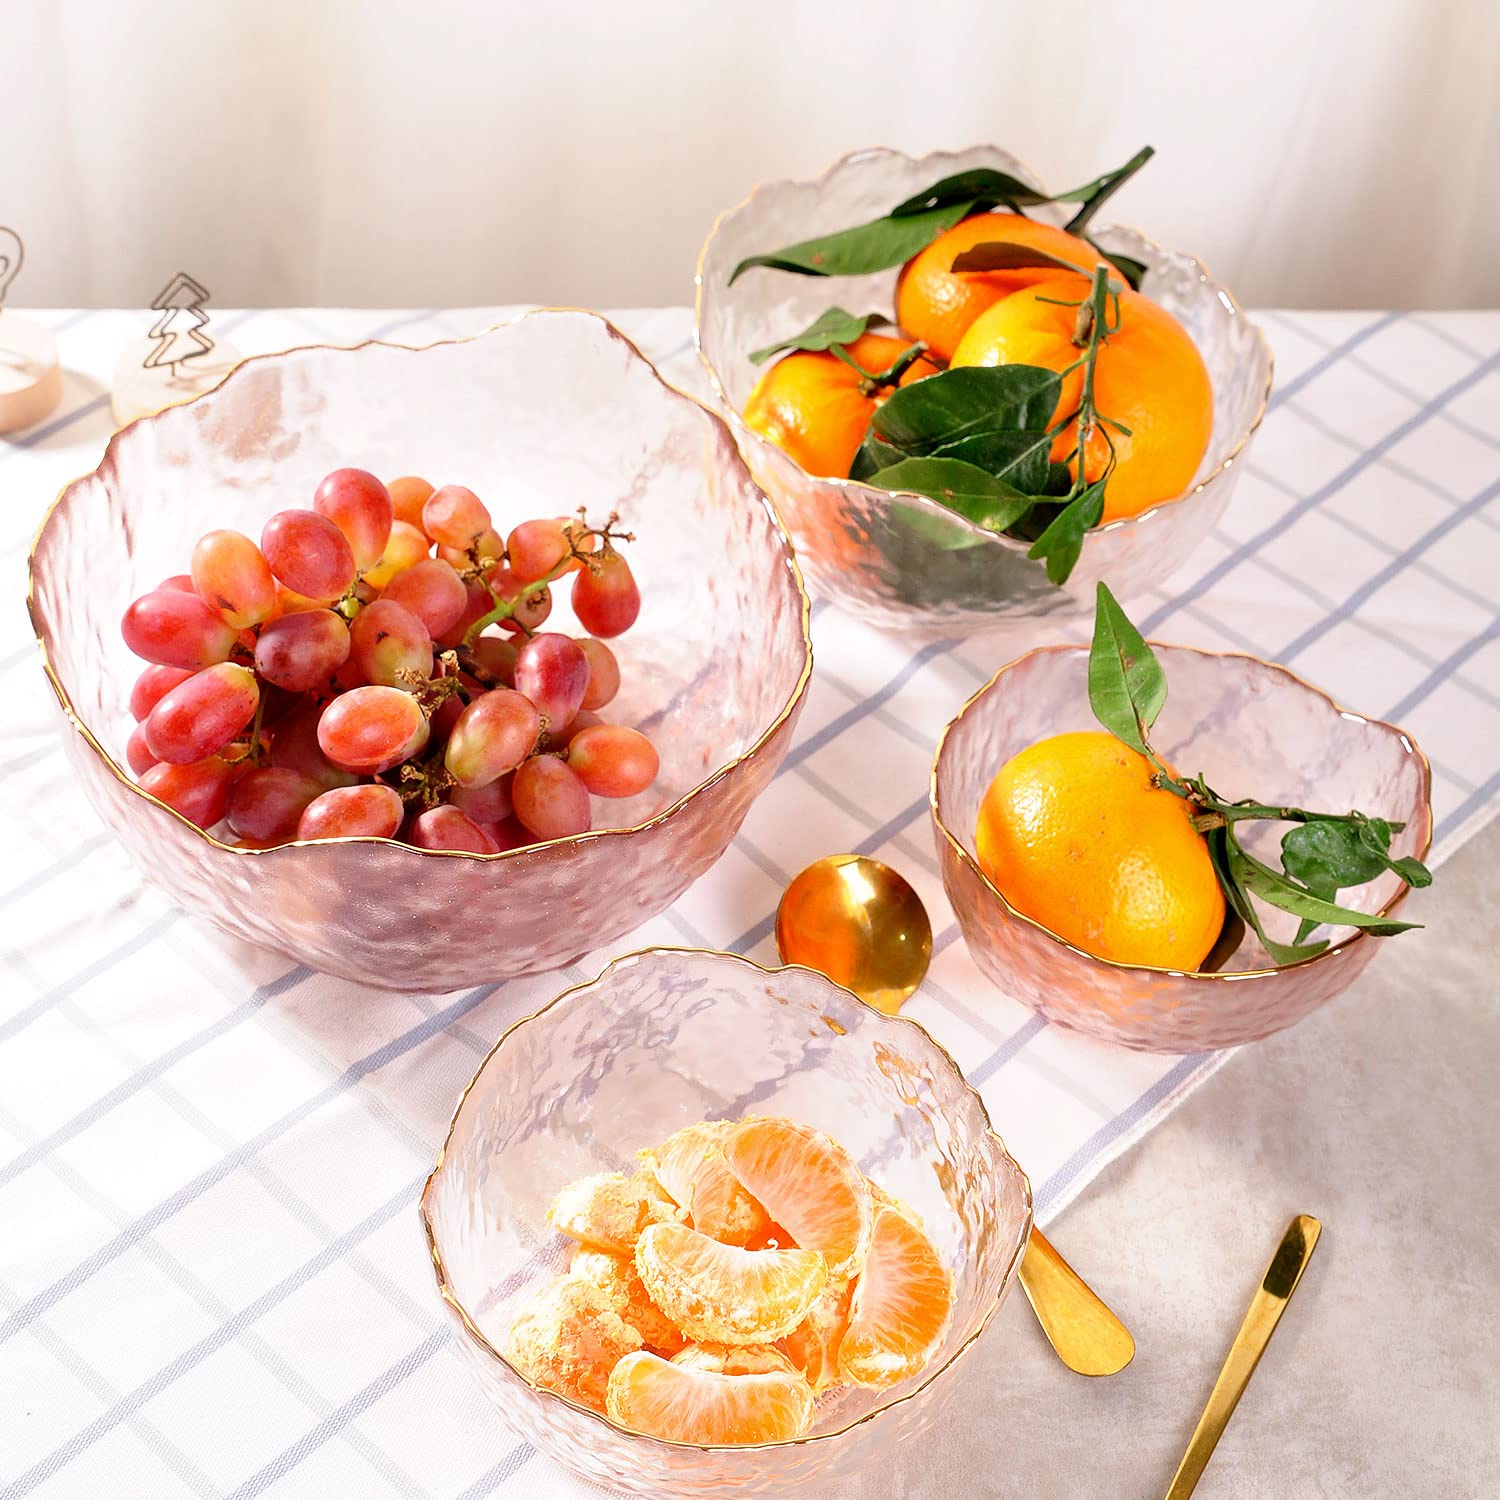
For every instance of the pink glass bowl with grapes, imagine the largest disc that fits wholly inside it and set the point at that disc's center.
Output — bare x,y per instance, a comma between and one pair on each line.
1253,730
662,1039
902,561
539,416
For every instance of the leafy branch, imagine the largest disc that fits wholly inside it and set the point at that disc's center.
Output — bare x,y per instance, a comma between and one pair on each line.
1322,854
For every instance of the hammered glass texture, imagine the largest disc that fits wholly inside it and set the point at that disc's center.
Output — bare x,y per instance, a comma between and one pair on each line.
665,1038
856,542
540,416
1253,730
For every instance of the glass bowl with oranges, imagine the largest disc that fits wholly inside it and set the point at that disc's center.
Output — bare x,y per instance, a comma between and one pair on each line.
955,269
701,1226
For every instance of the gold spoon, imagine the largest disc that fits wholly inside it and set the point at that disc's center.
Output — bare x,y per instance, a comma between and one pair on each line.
860,923
1266,1307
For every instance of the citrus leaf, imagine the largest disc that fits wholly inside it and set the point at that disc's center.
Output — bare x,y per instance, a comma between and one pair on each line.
1328,856
967,402
962,487
946,535
1127,686
1004,255
1279,890
875,246
1134,271
832,327
1092,196
1240,905
871,456
1062,540
979,187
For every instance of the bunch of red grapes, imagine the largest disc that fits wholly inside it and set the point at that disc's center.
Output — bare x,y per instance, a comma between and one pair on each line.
375,667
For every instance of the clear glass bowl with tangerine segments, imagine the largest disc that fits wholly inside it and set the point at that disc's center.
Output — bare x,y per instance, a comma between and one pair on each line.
664,1038
541,415
943,576
1254,730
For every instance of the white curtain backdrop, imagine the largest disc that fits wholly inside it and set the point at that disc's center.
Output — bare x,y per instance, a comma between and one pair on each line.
1337,153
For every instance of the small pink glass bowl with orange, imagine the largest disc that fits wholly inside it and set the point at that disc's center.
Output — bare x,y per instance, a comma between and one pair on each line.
662,1039
1253,729
555,410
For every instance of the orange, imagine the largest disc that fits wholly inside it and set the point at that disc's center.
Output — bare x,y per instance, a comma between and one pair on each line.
937,304
816,408
901,1305
609,1210
617,1277
692,1171
685,1405
813,1345
809,1185
1149,377
733,1359
720,1294
568,1340
1074,834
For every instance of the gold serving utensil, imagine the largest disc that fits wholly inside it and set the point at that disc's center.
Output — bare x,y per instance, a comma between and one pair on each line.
1087,1336
1266,1307
860,923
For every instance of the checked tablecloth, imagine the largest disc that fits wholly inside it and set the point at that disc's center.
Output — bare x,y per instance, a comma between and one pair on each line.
212,1277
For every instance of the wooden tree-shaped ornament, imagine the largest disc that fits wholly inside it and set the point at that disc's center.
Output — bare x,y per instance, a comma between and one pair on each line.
30,378
176,360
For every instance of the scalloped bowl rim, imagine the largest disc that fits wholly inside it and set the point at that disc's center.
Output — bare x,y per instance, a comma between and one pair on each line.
913,498
482,1342
1383,727
789,561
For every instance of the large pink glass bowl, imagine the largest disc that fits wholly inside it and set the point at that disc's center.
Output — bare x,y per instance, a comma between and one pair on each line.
539,416
662,1039
901,560
1254,730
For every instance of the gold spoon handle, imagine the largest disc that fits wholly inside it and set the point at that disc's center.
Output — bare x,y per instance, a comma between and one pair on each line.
1087,1336
1266,1307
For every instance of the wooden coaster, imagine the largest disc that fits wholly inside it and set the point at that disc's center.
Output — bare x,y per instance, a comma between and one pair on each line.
30,377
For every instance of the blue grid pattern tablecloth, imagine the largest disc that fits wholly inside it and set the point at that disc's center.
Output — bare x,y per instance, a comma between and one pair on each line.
212,1278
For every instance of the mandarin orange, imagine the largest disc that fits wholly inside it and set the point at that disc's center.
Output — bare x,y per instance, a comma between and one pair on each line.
687,1405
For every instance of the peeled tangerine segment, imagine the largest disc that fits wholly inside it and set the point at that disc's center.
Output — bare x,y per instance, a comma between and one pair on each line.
808,1184
720,1294
609,1211
685,1405
733,1359
617,1277
813,1345
901,1305
691,1169
569,1339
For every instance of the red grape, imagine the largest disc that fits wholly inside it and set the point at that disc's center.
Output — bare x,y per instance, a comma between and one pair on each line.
497,655
432,591
445,716
455,517
372,729
294,744
406,547
232,577
390,646
604,673
560,739
485,804
489,544
179,583
152,685
613,761
493,735
202,715
138,754
301,651
266,803
531,611
605,597
478,602
447,827
309,554
360,506
200,792
509,833
553,672
368,811
175,629
408,496
535,548
549,799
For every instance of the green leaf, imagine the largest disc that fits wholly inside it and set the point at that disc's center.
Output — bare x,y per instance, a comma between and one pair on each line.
832,327
1127,686
875,246
979,187
946,535
871,456
1062,541
968,402
1240,904
1134,271
962,487
1279,890
1004,255
1092,196
1329,856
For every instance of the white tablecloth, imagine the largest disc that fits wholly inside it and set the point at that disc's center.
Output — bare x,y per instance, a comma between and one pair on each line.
212,1279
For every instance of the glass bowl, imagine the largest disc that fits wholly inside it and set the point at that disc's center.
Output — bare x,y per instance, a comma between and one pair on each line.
664,1038
933,573
552,411
1253,729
